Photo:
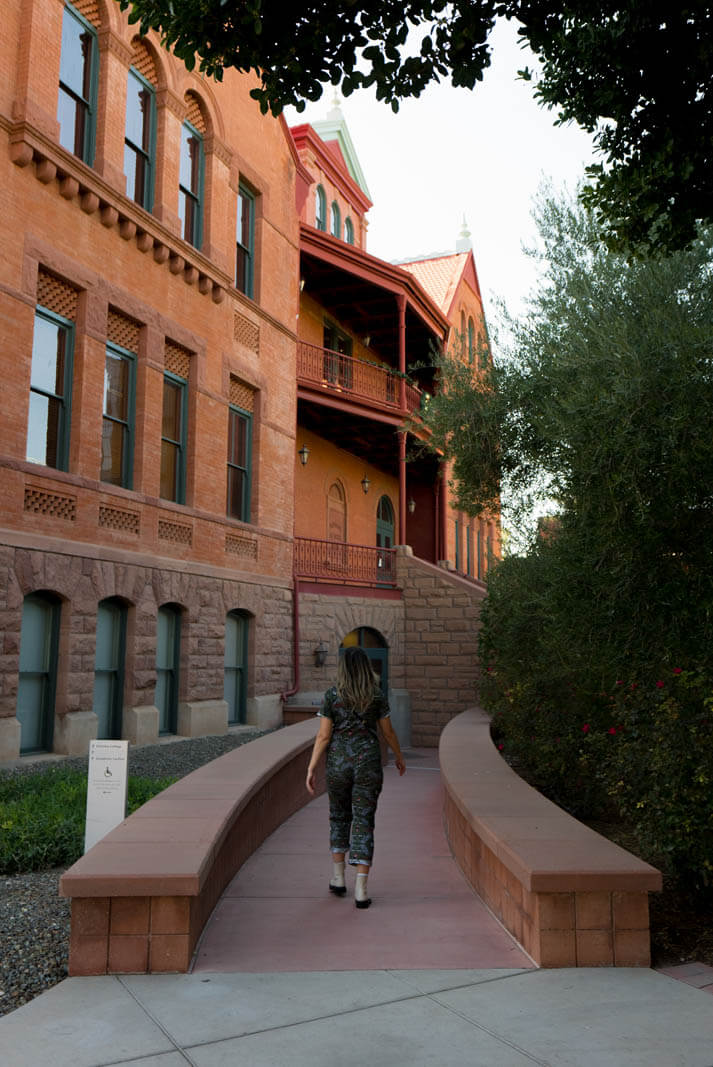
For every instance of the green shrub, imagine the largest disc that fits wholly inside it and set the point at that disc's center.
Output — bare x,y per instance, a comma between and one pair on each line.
42,817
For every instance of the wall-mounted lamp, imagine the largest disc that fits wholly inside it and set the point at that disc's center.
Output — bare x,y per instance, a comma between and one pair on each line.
411,505
320,654
367,340
365,484
302,284
304,455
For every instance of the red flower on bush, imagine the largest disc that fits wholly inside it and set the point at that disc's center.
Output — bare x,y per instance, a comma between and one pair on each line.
619,683
585,728
501,746
634,685
612,730
659,685
677,670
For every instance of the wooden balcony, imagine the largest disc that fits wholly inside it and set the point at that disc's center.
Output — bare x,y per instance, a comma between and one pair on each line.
366,383
344,564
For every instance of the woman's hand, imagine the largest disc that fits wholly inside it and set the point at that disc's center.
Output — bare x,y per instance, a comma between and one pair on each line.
400,765
310,781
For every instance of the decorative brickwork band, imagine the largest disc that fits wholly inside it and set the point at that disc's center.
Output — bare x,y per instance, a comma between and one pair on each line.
246,547
177,359
241,395
195,113
142,60
118,519
247,333
90,10
43,502
56,295
122,330
175,532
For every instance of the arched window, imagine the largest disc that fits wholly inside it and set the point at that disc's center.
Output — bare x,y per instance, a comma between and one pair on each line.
109,668
471,340
168,659
235,669
191,173
335,220
140,133
39,643
336,514
349,231
78,85
320,209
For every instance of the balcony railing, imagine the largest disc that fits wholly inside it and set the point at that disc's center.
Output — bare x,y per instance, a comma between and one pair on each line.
338,373
333,561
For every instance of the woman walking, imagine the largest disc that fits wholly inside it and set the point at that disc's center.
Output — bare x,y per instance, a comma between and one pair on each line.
352,712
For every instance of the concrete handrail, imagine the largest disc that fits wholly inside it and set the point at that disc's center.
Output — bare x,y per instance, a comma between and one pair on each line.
567,894
142,895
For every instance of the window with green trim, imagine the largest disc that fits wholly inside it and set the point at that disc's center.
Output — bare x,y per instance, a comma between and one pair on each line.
336,220
245,242
349,231
78,81
140,139
469,550
117,459
174,438
239,457
320,209
190,199
457,545
50,391
479,554
471,340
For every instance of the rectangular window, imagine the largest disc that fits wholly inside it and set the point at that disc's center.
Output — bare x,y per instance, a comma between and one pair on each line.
469,550
191,185
337,365
457,545
140,139
245,242
77,101
173,439
479,561
239,451
118,421
50,391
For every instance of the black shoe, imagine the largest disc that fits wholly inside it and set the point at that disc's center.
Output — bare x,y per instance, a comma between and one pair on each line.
338,890
363,903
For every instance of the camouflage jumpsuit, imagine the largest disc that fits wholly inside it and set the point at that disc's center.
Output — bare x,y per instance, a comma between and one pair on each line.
354,776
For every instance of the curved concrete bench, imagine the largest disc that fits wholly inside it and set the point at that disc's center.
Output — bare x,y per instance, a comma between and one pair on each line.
142,895
570,897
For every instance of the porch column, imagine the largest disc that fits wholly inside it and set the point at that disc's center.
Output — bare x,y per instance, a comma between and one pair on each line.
401,304
443,513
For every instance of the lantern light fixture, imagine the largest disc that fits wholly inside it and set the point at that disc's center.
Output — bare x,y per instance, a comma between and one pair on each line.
365,484
304,455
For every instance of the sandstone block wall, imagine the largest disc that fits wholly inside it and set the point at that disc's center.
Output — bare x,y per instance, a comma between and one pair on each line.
441,619
204,595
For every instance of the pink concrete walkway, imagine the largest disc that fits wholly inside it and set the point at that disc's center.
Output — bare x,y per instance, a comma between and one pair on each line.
278,915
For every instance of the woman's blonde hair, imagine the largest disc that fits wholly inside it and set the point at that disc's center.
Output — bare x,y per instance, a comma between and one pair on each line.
357,685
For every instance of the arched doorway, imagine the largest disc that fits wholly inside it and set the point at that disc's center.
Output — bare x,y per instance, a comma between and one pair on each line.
376,649
109,667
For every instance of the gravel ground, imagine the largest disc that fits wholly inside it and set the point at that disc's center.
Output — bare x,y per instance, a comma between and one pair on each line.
34,919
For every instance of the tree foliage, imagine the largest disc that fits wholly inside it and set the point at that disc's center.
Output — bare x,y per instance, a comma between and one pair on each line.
638,76
604,405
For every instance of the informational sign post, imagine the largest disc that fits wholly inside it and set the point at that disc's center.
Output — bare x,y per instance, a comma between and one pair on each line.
106,789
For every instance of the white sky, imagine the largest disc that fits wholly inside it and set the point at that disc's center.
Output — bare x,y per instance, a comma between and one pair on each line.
454,152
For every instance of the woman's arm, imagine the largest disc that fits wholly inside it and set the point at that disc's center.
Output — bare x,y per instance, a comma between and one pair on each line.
393,742
320,743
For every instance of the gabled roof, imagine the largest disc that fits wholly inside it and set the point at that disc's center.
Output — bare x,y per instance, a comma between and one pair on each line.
333,131
441,275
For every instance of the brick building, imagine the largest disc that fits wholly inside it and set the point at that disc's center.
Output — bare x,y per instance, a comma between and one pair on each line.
189,313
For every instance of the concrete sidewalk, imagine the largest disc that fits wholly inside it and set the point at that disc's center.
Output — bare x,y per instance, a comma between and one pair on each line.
287,974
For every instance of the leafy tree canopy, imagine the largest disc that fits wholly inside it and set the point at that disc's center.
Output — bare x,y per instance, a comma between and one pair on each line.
604,404
637,75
